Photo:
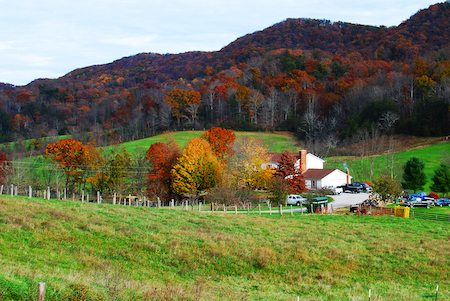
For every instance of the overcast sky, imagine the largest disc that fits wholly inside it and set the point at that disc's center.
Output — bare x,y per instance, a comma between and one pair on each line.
50,38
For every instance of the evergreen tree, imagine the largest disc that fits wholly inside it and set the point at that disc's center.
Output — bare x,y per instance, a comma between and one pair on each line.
441,179
414,178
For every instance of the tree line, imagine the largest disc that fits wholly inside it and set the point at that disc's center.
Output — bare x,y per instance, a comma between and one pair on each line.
323,81
414,179
207,167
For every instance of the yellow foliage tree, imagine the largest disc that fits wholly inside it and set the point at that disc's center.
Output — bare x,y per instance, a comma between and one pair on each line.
248,166
197,170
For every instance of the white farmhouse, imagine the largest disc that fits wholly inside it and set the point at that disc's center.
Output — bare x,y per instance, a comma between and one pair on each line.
311,167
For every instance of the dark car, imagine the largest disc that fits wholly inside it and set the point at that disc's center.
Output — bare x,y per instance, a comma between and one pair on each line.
352,188
365,186
442,202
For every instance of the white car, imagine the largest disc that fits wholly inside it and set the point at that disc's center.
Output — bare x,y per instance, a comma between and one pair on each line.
296,199
336,190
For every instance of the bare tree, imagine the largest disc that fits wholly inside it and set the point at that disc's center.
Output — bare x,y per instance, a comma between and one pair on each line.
292,96
271,104
254,105
192,109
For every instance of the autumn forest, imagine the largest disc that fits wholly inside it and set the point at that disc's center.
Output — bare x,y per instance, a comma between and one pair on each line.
324,81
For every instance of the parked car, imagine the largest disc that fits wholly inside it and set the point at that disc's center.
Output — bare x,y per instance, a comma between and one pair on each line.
442,202
296,199
352,188
419,199
336,190
365,186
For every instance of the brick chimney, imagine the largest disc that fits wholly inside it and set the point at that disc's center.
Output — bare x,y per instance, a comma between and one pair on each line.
302,164
348,176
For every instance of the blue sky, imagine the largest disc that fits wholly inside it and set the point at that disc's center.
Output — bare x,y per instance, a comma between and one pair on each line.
49,38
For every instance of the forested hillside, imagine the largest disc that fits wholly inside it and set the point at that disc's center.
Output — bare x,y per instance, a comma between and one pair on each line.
327,82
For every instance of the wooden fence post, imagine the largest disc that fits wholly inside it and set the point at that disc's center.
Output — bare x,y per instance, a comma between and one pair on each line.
270,209
30,192
200,207
48,192
129,200
172,204
281,209
292,211
235,209
87,198
114,198
98,197
159,203
82,196
224,208
73,197
65,194
15,190
41,291
1,190
259,206
12,190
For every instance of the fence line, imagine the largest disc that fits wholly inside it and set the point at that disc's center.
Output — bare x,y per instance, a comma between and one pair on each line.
117,199
430,216
431,296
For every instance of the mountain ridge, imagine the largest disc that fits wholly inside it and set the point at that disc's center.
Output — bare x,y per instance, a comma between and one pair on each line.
348,75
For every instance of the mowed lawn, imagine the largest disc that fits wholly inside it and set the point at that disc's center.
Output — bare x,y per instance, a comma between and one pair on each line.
274,142
86,251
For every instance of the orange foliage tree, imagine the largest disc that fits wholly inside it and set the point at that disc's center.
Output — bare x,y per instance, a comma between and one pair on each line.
221,141
74,158
197,170
180,100
162,157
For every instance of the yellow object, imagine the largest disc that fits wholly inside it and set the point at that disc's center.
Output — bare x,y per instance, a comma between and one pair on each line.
402,211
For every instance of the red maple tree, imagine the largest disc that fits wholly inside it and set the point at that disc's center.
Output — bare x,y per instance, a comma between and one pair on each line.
221,141
162,157
286,170
4,168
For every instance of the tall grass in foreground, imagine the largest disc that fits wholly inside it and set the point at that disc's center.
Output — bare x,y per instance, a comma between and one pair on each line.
105,252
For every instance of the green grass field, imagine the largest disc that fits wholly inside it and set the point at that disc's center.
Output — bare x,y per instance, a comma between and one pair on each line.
83,251
274,142
431,155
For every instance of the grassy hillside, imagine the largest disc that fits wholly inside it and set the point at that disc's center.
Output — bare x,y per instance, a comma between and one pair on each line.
85,250
431,155
274,142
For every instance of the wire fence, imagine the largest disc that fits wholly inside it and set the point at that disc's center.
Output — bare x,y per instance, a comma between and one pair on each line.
432,295
430,216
